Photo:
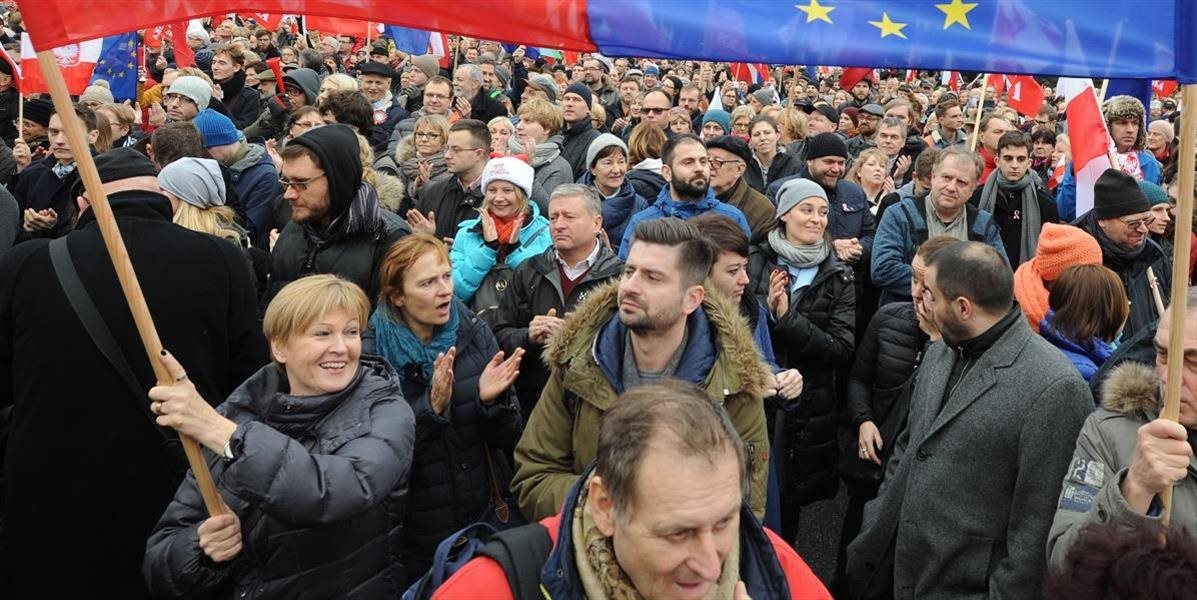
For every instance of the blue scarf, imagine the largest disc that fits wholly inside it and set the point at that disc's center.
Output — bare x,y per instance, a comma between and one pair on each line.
395,341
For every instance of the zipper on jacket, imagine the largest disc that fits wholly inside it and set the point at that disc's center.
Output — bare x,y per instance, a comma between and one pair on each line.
751,451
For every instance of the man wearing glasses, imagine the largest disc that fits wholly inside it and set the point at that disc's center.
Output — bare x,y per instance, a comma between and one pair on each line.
337,225
438,100
1120,220
729,156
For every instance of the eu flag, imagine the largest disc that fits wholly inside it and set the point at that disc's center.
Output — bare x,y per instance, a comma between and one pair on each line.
118,65
411,41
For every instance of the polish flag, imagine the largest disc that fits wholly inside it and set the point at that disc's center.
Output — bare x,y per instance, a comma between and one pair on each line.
911,75
1163,87
750,72
998,82
12,64
1057,173
77,61
852,75
1090,139
438,46
951,79
1026,95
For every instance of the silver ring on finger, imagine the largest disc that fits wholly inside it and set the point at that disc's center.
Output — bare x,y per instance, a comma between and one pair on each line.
181,378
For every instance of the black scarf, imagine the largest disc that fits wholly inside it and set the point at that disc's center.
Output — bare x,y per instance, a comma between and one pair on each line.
1114,256
362,217
232,87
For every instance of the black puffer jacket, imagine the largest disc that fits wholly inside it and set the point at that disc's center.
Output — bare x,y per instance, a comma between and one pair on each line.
885,361
319,484
815,337
535,288
449,481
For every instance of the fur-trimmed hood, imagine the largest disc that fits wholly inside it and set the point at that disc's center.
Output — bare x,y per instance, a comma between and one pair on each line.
1131,387
390,191
1127,107
738,354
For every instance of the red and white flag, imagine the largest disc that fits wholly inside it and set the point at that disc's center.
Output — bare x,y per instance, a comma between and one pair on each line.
438,46
270,21
951,79
852,75
1025,94
1163,87
77,61
12,64
1057,173
750,72
911,75
1089,137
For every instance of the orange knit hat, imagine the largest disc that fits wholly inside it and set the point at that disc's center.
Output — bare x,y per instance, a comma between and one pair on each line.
1060,247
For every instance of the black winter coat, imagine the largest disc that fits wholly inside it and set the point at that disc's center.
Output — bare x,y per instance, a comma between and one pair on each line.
647,183
535,288
76,425
885,362
452,205
577,138
357,259
1133,273
815,337
450,487
37,187
319,484
783,165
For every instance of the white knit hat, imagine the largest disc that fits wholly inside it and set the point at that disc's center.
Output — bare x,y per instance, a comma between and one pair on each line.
512,169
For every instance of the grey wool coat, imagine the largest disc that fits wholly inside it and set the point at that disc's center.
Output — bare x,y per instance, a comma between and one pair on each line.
970,491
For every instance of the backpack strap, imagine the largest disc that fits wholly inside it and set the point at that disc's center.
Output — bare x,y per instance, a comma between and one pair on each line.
522,552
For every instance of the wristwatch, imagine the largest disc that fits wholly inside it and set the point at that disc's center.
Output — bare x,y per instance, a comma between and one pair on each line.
227,454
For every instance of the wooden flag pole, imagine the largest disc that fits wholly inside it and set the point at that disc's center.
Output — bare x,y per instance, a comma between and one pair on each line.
972,141
20,115
120,261
1180,272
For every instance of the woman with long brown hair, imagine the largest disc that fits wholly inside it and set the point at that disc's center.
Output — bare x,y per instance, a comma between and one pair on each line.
1087,310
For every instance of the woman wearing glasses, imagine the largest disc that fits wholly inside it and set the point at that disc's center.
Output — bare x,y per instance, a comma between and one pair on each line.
419,157
300,121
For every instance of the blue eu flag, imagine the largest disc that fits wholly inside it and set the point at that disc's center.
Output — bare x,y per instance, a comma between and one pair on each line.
118,65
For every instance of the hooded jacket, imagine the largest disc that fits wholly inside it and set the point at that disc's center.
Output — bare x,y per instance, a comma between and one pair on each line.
816,336
534,289
1087,358
646,178
1105,449
320,484
618,209
769,567
256,182
550,169
666,206
271,123
473,257
586,362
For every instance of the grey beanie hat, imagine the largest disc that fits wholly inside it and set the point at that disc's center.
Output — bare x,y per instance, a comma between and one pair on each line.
796,190
196,181
192,87
601,142
764,96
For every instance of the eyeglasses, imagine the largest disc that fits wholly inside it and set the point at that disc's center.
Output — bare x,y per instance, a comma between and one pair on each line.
719,162
456,149
430,135
431,96
1145,222
652,110
299,185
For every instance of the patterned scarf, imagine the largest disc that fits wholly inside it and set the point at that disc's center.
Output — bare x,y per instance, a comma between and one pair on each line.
1128,162
600,573
61,171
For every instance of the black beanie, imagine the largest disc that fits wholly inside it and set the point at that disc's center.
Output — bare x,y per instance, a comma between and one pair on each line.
123,163
339,155
826,144
1117,194
39,111
734,145
582,90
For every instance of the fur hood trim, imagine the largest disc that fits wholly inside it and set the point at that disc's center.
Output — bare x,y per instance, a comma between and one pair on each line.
1127,107
1131,387
390,191
737,348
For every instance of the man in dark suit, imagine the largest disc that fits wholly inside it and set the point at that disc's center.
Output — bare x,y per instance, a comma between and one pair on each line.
971,488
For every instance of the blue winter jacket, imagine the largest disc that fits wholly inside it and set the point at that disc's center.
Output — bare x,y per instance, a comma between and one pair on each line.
666,206
256,182
903,227
1086,358
618,209
1066,193
473,258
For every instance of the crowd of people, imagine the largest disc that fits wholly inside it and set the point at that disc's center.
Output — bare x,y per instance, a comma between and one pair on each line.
643,312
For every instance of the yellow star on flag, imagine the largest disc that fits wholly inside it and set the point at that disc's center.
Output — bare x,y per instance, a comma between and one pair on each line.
816,12
889,27
956,12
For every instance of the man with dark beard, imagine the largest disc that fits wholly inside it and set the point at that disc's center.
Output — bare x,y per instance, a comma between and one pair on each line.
685,165
656,322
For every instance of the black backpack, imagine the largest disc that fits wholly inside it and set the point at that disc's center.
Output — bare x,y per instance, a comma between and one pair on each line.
521,552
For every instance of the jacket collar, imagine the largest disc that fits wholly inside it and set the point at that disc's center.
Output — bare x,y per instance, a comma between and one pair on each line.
684,208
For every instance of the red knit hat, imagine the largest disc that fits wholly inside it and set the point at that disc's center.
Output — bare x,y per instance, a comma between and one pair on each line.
1060,247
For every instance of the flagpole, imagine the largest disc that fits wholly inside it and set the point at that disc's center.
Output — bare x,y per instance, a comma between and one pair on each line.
972,141
120,261
1180,275
20,115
